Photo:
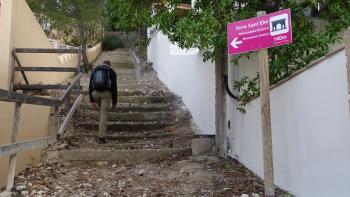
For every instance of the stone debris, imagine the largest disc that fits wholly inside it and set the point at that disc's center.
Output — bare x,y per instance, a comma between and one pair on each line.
141,172
122,183
172,176
255,195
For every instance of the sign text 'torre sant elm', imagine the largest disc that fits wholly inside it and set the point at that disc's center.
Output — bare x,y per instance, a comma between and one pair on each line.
262,32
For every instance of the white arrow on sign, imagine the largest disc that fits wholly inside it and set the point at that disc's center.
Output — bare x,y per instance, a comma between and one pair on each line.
236,42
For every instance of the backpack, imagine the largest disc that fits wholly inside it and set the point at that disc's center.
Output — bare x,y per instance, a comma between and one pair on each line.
101,79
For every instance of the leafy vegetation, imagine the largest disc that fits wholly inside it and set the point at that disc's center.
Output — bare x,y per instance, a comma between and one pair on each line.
309,44
111,42
80,22
204,27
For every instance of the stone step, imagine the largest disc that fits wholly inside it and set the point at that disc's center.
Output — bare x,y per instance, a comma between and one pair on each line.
122,65
120,93
137,143
134,86
142,99
125,80
120,134
126,77
122,156
125,107
125,71
124,136
126,125
126,116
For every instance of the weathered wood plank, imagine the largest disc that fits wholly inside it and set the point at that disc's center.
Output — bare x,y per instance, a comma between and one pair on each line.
266,120
78,69
73,84
17,147
46,69
20,66
39,87
12,160
67,104
42,50
69,116
8,96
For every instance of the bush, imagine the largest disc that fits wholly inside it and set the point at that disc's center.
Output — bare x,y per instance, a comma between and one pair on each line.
111,42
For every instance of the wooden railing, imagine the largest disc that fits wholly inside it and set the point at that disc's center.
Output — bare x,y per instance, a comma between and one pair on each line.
20,98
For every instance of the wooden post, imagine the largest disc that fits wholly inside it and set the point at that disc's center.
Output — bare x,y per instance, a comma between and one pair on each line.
220,105
57,122
78,70
12,160
266,120
12,80
67,101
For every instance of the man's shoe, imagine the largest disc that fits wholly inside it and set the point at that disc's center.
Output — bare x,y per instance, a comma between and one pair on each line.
102,141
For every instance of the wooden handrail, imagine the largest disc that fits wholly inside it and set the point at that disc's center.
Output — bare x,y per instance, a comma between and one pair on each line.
15,97
17,147
74,83
46,69
42,50
39,87
69,116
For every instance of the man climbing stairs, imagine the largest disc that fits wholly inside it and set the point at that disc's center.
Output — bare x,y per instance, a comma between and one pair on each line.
143,126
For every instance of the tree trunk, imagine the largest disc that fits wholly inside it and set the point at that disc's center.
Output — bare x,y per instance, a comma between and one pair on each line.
220,102
84,49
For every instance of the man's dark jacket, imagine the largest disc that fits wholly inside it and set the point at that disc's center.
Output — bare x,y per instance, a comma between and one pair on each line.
113,90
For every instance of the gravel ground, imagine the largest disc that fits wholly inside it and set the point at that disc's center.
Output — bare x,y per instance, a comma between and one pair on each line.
179,175
151,85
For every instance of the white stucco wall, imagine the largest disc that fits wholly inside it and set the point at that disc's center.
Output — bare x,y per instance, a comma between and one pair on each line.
188,76
311,132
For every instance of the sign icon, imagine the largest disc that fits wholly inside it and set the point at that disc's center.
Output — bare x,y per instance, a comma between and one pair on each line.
279,25
235,42
262,32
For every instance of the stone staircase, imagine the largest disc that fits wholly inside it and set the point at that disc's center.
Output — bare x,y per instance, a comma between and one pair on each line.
142,128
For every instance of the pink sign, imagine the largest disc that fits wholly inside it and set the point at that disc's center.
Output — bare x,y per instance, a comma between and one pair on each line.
263,32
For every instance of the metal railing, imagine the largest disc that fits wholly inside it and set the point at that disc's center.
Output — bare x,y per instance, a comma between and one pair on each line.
57,45
137,64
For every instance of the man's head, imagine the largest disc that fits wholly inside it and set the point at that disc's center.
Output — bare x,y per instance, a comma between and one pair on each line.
108,63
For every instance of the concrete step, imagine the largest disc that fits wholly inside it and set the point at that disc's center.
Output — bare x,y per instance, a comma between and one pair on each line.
125,71
122,87
137,143
120,93
122,81
142,99
126,76
126,65
126,125
135,107
120,134
122,156
124,136
126,116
